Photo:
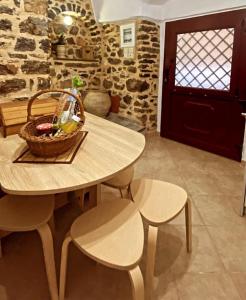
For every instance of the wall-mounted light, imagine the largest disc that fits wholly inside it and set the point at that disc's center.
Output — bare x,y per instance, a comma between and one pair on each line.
68,20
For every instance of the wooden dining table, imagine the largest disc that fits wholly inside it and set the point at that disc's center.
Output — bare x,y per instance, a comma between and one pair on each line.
107,150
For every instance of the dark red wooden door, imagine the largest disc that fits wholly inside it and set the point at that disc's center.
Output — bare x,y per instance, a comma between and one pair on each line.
204,85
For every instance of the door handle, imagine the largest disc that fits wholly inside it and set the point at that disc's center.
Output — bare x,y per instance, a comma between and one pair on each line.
243,25
166,75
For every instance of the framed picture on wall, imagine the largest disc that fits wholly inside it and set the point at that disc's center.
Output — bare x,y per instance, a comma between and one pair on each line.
127,35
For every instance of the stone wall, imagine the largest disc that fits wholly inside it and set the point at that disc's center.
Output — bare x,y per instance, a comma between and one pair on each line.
24,48
27,66
85,32
63,71
135,80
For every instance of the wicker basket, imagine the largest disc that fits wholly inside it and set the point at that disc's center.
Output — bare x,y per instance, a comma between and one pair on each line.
48,146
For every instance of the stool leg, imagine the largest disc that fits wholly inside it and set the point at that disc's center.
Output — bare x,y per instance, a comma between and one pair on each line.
48,249
150,267
137,283
52,225
63,268
188,223
121,193
130,193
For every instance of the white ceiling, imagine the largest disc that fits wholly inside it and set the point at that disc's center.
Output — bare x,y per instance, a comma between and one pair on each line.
115,10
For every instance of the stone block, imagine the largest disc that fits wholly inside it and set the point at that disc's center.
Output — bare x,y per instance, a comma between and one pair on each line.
35,26
5,25
8,69
43,83
45,45
25,44
36,6
35,67
12,85
136,85
6,10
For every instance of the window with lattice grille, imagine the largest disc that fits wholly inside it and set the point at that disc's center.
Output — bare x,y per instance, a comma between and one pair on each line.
204,59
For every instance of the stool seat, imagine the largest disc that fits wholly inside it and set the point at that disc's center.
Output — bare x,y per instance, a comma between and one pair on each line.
111,234
158,201
121,180
25,213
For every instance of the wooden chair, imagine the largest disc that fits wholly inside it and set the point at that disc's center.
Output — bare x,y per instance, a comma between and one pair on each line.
111,234
159,202
26,213
122,180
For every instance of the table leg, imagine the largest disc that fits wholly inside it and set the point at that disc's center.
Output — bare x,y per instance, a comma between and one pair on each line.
94,195
88,197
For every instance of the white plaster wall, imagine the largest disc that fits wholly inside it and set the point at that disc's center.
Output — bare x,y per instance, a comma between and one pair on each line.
116,10
174,9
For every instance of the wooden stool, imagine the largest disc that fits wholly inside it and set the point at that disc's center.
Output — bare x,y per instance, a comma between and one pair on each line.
159,202
26,213
111,234
122,180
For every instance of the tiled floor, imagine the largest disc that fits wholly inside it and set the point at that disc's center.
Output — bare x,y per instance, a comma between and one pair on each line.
216,269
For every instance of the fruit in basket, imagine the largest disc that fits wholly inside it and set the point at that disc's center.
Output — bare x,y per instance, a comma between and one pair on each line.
44,128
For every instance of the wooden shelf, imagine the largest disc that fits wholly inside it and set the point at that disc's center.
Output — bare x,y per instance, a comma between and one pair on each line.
75,59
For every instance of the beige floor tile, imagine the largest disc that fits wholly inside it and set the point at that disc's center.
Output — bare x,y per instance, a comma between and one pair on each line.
232,185
172,254
206,287
196,218
237,203
230,242
146,167
182,153
218,210
223,166
157,149
170,174
88,280
239,280
165,287
215,186
202,184
22,272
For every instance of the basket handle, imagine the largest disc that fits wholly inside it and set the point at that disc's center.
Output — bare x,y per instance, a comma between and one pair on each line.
34,97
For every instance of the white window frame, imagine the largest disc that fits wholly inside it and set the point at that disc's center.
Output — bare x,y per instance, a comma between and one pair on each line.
123,28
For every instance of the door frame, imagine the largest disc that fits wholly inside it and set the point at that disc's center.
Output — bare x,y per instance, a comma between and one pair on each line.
164,102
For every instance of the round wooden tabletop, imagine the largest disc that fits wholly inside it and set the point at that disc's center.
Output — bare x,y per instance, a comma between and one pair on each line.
107,149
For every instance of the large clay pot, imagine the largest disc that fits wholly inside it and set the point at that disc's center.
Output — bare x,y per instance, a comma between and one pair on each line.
97,102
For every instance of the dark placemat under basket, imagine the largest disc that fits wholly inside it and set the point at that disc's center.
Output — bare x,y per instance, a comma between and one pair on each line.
49,146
